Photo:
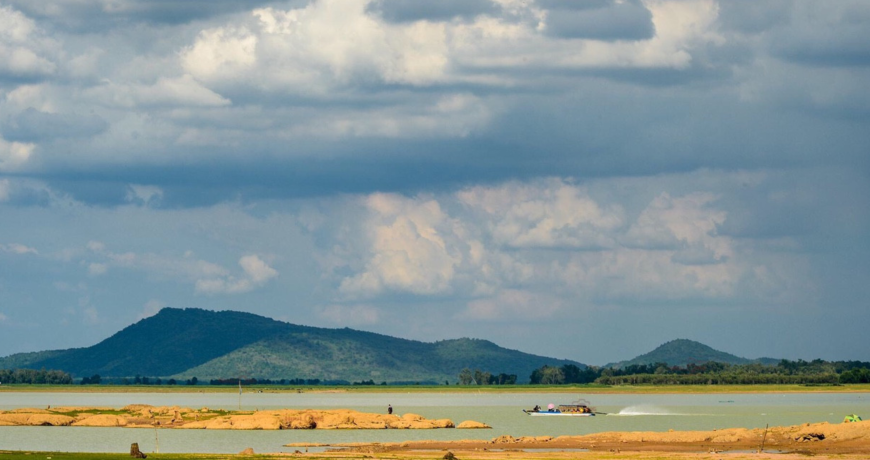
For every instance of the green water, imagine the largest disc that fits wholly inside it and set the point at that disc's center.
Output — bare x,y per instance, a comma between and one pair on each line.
630,412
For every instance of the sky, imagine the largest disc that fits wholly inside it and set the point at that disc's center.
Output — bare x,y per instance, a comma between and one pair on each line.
576,179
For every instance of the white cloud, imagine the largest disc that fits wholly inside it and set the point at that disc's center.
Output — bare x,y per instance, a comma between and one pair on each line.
15,248
503,246
411,248
96,246
256,274
144,194
182,91
96,269
257,270
222,52
551,214
21,46
684,222
331,44
13,155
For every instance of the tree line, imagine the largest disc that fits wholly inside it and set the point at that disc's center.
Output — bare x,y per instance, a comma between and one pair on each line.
710,373
34,377
816,372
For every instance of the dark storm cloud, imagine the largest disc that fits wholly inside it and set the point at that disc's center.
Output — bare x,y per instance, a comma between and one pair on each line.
807,33
599,20
34,125
415,10
93,16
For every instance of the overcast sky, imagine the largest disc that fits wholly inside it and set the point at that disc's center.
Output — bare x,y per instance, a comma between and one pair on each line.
581,179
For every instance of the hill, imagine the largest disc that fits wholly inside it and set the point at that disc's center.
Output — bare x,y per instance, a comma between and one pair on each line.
186,343
681,352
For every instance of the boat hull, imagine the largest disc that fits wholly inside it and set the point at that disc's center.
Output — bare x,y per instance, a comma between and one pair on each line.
558,414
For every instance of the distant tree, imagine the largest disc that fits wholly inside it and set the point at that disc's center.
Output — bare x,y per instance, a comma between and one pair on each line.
572,373
547,375
465,376
552,376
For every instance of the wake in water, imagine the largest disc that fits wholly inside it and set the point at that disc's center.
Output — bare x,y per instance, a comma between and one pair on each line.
633,411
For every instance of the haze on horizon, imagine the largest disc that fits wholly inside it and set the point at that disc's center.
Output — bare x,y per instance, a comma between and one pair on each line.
577,179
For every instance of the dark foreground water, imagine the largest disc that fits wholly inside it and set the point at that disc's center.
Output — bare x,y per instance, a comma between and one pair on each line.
628,412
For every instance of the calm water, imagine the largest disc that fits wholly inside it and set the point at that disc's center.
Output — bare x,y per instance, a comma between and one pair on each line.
501,411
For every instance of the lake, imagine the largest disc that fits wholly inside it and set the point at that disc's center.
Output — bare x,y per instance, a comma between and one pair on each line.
502,411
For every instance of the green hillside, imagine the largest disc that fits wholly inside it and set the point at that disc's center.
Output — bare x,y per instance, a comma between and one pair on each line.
186,343
681,352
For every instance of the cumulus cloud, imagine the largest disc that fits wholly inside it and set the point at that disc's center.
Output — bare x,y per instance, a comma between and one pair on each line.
220,53
207,277
684,222
14,155
553,214
256,274
15,248
497,241
21,46
411,248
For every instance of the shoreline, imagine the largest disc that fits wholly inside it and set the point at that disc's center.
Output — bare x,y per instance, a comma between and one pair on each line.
807,439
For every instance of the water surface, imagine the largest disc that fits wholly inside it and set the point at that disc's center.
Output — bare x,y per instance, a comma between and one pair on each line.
502,411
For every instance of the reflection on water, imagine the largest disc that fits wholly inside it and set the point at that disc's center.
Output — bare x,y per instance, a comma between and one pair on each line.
628,412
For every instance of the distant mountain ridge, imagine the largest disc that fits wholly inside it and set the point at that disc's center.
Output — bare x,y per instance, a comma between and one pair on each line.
185,343
681,352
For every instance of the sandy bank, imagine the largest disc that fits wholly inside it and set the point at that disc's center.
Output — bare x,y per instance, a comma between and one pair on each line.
141,416
815,439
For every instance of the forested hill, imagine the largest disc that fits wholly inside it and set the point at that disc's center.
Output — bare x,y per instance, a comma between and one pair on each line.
681,352
186,343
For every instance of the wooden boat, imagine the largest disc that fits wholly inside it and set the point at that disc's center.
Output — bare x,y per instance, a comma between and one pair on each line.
577,409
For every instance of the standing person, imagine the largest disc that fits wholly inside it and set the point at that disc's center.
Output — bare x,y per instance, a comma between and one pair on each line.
389,409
